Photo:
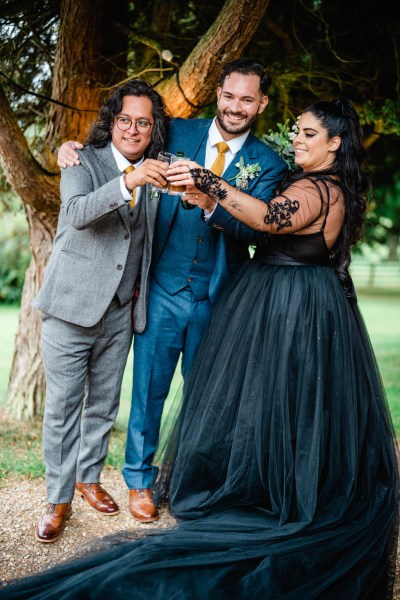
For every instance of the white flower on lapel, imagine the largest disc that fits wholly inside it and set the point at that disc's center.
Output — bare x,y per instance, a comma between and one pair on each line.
155,194
246,172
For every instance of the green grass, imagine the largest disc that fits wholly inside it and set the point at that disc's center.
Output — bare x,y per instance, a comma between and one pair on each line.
381,313
20,443
21,449
8,327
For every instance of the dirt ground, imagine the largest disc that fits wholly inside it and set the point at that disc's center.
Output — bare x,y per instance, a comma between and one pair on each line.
23,501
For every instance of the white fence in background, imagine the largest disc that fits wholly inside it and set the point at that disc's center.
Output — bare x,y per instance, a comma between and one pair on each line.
376,276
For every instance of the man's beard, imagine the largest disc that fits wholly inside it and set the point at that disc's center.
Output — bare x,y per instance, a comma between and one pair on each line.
235,130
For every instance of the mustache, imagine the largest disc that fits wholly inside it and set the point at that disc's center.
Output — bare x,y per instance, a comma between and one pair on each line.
235,114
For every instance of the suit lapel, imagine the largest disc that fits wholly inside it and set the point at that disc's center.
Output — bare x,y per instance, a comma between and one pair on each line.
111,171
151,204
200,143
250,157
196,152
107,161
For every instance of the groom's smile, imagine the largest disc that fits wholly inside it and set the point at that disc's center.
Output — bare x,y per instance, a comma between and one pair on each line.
239,103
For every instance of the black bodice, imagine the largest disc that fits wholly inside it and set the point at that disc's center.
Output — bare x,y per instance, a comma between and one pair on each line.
293,249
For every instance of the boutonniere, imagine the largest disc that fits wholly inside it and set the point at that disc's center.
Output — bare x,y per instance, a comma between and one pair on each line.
246,172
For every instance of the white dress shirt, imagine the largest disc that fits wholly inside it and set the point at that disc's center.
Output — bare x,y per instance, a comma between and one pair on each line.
235,145
122,163
214,136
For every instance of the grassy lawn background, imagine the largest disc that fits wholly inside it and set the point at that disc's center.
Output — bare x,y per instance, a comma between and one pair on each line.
381,313
20,443
8,327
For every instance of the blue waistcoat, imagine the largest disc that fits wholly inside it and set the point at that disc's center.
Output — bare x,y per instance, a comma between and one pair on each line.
188,259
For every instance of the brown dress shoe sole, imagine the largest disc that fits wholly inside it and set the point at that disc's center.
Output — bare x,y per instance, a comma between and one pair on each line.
110,514
146,519
41,540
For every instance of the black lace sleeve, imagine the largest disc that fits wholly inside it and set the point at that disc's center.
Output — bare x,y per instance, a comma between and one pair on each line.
280,213
208,183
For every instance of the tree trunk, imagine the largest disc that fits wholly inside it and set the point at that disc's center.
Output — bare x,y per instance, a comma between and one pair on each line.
91,56
193,87
85,66
25,397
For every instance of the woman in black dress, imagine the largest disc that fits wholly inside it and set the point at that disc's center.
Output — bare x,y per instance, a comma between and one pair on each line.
285,481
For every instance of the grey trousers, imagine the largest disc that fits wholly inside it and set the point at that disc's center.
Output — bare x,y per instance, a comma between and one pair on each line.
84,368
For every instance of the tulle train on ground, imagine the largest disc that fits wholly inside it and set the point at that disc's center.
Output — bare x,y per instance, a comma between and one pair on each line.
285,482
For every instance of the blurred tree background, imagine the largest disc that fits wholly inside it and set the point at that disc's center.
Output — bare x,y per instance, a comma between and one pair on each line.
59,57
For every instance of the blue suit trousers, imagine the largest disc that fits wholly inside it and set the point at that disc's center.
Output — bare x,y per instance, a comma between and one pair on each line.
175,324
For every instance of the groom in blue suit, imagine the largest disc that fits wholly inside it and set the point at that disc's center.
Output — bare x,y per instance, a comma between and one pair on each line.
194,255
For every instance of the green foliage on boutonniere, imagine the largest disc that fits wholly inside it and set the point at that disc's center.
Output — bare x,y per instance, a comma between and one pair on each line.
246,172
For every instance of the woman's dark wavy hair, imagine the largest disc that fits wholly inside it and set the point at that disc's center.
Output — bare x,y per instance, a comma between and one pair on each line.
340,118
100,131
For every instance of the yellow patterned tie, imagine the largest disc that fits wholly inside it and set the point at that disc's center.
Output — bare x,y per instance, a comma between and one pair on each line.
218,165
129,170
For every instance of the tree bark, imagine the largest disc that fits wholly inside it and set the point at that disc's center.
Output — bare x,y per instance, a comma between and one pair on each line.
91,56
85,66
193,86
39,191
26,390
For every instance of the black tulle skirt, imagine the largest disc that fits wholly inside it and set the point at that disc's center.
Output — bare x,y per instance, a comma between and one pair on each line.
285,480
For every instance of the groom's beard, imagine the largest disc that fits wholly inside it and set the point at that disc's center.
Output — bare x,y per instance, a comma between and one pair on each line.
240,127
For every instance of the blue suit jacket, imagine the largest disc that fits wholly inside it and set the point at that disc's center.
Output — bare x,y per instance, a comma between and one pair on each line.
231,238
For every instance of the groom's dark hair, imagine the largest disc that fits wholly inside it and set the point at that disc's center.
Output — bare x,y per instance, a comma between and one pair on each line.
100,131
246,66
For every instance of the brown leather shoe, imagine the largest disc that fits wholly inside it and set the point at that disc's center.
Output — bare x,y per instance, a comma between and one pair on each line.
97,497
142,506
51,525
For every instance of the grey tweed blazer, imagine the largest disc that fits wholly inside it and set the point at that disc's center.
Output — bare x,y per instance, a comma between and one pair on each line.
91,245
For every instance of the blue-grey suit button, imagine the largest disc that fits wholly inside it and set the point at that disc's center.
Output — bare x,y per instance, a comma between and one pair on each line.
126,236
119,267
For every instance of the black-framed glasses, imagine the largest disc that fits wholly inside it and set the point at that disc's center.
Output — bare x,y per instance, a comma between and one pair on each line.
142,126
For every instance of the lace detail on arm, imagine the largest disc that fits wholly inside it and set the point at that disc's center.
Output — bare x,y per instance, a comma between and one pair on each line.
280,213
208,183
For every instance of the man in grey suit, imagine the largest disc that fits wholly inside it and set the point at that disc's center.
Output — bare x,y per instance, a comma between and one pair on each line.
100,261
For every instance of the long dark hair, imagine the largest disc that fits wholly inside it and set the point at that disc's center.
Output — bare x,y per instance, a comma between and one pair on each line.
100,131
340,118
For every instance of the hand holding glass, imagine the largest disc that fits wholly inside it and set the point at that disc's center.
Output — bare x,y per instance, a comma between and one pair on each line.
165,157
177,190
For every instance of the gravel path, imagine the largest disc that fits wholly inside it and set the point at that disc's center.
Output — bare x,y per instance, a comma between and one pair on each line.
23,501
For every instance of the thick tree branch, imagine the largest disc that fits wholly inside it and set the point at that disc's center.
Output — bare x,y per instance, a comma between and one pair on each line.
30,181
375,135
225,40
